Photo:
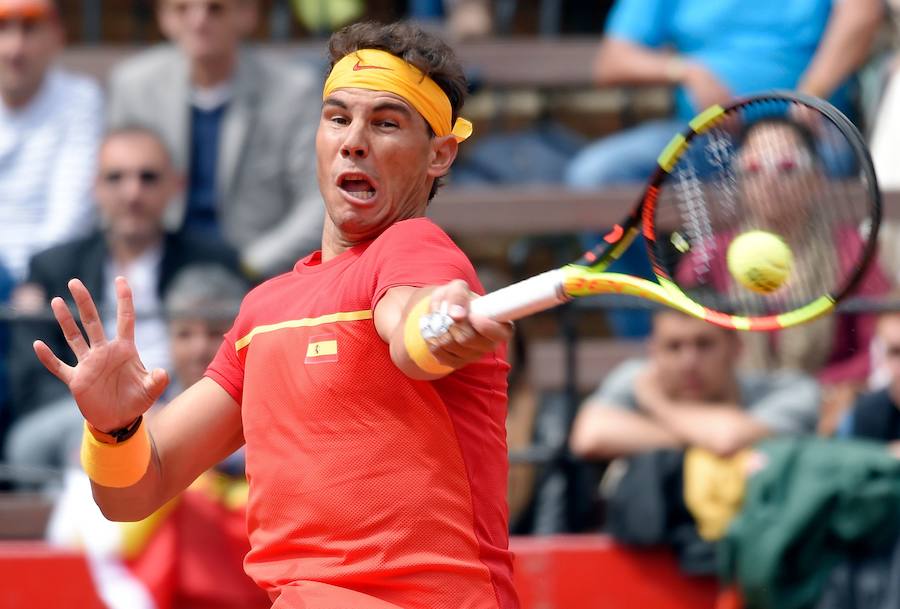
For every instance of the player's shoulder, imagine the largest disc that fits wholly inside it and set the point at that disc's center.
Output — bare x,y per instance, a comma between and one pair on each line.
416,228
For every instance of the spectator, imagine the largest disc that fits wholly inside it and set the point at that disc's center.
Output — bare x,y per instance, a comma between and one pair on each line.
712,52
50,122
241,126
876,415
135,182
689,393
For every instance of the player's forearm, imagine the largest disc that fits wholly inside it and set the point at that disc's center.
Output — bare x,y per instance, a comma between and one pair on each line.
135,502
619,62
403,352
844,46
178,452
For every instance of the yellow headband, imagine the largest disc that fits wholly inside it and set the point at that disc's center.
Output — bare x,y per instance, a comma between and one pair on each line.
380,71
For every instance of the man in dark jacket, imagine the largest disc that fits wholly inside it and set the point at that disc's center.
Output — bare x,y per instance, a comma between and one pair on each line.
135,183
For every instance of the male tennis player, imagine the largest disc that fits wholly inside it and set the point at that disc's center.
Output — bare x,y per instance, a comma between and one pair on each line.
377,462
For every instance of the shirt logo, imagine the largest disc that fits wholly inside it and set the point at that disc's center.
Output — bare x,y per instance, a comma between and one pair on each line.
358,66
322,348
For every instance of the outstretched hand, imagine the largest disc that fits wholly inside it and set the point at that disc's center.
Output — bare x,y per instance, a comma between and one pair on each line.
109,382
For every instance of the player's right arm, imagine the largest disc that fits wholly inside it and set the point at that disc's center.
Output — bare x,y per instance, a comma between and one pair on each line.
111,387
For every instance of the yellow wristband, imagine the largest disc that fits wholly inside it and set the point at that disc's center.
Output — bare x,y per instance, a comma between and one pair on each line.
116,465
416,346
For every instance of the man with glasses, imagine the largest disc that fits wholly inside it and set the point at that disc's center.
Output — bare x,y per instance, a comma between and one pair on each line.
134,183
50,124
241,127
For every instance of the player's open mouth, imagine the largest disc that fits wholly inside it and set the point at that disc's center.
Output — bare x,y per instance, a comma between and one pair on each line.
357,185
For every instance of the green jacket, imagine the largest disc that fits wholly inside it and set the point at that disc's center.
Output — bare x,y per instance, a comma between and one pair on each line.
814,502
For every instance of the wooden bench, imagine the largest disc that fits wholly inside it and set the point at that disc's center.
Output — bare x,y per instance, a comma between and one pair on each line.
520,77
594,359
545,210
24,515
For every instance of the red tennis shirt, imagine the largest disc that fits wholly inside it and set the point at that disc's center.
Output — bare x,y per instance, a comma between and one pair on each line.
368,490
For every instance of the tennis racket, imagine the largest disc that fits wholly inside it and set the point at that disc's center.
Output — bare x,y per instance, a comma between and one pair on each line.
779,162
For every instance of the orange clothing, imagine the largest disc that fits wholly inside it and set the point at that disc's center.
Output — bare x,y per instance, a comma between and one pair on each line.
367,489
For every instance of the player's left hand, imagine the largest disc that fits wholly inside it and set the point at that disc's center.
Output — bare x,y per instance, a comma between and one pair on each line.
470,336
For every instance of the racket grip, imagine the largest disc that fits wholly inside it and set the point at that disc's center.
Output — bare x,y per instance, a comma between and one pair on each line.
521,299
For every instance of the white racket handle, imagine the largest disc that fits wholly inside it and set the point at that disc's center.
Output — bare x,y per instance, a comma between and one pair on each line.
521,299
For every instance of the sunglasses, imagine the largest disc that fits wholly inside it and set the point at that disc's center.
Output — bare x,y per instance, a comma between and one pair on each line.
784,165
147,177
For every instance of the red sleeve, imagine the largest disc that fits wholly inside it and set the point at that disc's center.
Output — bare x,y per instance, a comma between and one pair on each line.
227,370
418,253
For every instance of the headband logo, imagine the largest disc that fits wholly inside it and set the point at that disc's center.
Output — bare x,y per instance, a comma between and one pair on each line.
359,66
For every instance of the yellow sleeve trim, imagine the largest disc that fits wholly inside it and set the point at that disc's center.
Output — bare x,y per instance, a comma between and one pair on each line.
116,465
416,346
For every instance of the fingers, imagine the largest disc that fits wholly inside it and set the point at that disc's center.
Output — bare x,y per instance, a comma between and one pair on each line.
124,310
155,383
69,328
470,336
90,319
52,363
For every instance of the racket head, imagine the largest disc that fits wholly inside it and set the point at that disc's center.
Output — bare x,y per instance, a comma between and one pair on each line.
783,163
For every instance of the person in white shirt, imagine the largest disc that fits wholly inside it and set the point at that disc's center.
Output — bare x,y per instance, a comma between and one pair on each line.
50,127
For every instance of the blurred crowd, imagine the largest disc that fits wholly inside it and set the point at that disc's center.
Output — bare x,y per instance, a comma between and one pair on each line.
190,171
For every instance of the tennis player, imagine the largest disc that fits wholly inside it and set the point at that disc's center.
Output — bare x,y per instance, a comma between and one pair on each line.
376,460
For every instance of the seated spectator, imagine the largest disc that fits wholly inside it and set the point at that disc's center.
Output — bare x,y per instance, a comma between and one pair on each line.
690,393
712,52
876,415
135,182
50,124
241,126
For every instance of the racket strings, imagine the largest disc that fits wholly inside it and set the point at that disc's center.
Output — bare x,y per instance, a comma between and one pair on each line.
775,166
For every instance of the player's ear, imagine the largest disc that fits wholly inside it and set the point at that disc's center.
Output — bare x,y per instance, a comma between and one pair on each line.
443,153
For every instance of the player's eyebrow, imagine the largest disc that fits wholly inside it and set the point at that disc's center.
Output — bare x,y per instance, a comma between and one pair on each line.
387,105
393,106
331,101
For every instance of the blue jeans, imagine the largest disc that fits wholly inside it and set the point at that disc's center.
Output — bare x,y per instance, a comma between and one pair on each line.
626,157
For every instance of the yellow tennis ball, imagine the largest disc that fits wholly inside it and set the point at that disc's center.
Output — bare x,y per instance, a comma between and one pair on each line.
760,261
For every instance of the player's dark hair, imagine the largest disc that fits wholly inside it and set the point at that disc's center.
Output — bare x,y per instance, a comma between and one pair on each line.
424,50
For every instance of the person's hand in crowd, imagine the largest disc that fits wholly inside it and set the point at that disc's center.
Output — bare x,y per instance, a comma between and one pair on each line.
703,87
29,298
471,336
109,382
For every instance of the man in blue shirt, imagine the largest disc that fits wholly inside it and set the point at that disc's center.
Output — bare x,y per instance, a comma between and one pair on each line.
711,52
